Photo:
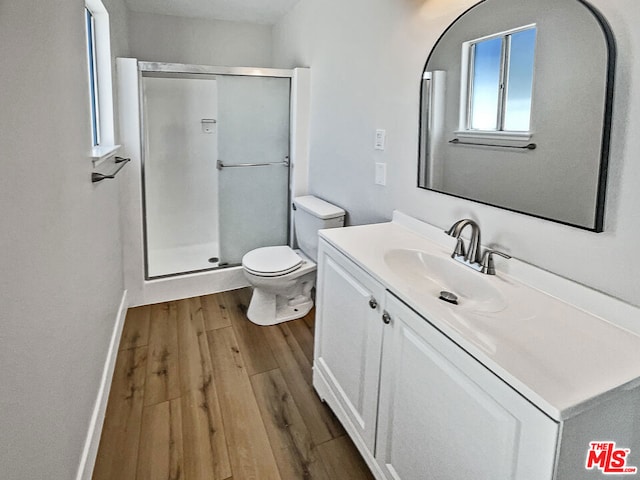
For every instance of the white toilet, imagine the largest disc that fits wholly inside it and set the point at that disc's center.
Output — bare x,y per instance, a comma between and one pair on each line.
282,278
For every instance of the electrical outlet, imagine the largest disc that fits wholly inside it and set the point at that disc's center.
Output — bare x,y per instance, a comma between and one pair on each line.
381,173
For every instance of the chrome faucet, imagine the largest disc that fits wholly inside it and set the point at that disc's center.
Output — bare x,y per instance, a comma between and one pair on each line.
472,256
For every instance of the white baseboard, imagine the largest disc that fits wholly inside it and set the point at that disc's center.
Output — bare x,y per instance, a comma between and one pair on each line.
88,459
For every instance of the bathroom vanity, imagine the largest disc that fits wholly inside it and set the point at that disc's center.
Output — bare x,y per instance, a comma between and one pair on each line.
513,382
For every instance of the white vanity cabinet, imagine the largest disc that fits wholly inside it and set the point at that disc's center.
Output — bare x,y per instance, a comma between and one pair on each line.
443,415
348,342
513,383
416,404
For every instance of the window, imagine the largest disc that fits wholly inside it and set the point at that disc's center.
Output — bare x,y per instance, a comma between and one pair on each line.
93,77
500,80
100,95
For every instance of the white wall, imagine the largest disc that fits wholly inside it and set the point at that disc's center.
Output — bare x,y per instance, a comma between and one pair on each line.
60,250
163,38
366,59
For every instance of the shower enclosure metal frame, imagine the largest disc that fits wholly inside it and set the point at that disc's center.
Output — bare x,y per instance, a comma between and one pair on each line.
177,70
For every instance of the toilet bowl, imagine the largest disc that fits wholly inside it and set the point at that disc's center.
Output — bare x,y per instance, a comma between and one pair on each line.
283,278
283,291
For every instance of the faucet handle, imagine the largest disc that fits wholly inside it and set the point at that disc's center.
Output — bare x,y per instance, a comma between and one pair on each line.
487,266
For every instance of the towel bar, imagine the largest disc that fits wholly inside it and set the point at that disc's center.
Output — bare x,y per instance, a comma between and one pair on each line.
98,177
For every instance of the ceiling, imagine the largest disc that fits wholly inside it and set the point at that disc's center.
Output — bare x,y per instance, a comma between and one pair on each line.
253,11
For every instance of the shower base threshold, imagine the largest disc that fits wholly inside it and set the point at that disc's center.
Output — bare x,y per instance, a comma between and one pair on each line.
188,258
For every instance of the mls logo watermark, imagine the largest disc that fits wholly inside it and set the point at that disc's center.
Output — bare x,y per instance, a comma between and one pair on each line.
609,459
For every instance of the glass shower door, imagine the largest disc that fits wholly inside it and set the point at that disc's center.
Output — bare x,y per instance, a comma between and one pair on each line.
253,164
180,178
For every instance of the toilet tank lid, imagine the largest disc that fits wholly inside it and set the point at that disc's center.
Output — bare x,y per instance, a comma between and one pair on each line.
318,207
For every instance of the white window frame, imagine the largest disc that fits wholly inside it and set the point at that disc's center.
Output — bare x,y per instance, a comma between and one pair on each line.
103,82
466,82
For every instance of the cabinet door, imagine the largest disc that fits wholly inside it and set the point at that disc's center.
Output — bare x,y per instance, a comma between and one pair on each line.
348,340
444,416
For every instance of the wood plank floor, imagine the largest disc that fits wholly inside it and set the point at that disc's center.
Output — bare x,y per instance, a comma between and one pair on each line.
199,392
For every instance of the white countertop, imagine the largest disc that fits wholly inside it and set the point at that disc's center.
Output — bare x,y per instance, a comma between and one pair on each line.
560,357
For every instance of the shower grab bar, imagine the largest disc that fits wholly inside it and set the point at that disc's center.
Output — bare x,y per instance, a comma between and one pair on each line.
98,177
220,165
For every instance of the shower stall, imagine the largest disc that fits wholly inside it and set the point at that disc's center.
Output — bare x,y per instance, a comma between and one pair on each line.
215,152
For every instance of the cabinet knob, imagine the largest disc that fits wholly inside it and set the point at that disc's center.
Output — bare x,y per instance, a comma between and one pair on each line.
373,303
386,318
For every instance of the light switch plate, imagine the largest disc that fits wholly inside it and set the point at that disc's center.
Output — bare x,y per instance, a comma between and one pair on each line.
381,137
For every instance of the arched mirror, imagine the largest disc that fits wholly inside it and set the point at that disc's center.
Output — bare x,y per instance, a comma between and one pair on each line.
516,109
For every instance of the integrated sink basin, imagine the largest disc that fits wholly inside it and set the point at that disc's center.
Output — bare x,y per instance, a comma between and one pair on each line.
432,274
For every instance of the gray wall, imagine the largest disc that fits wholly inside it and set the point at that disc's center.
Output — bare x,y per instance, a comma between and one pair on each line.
60,250
366,59
163,38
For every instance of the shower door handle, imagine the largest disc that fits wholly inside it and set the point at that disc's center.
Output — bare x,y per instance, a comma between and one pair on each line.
220,165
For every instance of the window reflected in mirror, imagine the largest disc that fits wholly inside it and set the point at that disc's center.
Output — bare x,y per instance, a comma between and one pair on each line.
519,82
500,81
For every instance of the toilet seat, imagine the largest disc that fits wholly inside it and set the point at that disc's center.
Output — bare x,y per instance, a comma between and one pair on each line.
271,261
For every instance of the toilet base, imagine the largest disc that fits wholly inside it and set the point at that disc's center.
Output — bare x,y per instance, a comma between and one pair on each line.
270,309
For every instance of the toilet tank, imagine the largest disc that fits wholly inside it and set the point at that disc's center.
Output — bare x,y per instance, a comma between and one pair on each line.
312,214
